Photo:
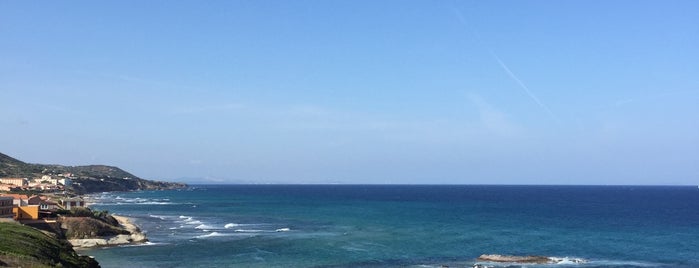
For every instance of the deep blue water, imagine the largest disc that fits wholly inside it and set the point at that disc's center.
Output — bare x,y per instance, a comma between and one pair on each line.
399,226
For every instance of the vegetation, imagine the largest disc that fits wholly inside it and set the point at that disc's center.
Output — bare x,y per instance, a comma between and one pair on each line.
87,227
23,246
88,179
100,215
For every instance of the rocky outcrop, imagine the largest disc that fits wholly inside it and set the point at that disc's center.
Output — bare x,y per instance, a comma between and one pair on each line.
100,183
87,227
108,241
515,259
526,259
131,234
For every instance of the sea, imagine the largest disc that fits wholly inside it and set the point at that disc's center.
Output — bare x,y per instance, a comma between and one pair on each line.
406,226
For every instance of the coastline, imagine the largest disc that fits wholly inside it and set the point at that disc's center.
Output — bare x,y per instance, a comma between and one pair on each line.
135,236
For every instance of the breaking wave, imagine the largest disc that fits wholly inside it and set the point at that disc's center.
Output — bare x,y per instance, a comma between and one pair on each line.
212,234
231,225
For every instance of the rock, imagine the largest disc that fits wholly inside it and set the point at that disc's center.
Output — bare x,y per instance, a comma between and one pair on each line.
133,235
119,240
526,260
88,242
515,259
138,237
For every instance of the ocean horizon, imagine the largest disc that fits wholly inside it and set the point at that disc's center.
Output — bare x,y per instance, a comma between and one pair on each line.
374,225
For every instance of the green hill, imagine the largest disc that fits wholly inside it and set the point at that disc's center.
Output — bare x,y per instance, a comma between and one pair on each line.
89,179
23,246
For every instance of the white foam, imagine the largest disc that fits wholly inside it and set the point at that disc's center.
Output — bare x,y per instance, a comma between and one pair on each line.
204,226
567,260
231,225
155,203
283,230
144,244
157,216
248,231
213,234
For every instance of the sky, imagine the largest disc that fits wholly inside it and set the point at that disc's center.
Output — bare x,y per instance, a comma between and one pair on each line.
395,92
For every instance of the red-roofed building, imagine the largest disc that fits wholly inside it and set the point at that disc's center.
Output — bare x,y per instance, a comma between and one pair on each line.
18,199
6,207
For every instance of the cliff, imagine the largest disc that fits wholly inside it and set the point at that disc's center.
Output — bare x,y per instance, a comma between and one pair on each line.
84,228
87,179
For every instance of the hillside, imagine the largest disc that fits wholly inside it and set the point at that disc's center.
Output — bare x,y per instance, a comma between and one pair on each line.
88,179
23,246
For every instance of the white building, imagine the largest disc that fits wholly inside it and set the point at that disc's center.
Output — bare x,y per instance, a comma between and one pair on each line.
65,181
21,182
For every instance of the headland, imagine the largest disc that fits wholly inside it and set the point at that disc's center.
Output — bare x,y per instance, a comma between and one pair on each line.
46,204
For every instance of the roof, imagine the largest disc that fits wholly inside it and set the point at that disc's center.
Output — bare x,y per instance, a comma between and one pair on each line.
16,196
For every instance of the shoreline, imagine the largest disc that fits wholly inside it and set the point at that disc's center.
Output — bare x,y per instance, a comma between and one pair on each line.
134,237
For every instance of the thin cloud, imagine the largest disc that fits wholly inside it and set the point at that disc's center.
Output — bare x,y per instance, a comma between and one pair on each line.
623,102
494,120
190,110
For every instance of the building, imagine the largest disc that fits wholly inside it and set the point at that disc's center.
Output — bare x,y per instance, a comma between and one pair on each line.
65,181
48,179
44,204
6,207
30,212
21,182
18,199
69,203
48,205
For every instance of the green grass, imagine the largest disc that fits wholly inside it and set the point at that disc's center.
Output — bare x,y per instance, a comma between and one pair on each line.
28,247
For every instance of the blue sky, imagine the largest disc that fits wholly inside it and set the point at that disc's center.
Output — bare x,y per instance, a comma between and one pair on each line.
515,92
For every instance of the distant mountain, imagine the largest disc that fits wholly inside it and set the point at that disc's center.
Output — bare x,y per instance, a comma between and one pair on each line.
88,179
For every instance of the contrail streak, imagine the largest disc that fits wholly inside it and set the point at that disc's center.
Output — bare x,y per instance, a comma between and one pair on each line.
522,85
507,70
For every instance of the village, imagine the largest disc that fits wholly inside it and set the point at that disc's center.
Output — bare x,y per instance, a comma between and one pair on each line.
39,199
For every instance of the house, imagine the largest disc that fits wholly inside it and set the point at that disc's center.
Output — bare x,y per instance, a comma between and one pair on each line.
48,205
49,187
21,182
69,203
48,179
6,207
35,199
45,205
18,199
29,212
65,181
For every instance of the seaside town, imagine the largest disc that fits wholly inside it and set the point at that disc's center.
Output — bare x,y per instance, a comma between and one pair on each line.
32,199
44,217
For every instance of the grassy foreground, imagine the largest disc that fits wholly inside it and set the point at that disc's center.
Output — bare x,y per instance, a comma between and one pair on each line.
23,246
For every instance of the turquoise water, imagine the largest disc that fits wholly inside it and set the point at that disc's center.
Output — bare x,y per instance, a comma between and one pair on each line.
406,226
